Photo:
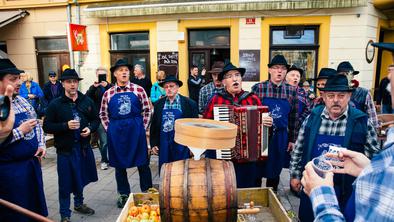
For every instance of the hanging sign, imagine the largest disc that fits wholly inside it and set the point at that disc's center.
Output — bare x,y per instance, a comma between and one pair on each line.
78,37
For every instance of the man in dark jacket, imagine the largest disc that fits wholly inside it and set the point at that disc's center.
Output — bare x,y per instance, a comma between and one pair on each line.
52,89
335,124
96,92
168,109
384,95
195,82
72,118
141,79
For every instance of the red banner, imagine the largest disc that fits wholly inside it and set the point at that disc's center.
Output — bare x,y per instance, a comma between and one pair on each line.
78,37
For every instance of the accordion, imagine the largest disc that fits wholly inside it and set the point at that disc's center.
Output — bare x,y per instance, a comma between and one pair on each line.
252,137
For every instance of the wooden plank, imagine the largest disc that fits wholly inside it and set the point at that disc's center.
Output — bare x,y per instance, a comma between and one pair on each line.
276,207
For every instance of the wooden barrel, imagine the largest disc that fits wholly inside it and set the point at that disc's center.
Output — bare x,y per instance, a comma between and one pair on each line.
198,190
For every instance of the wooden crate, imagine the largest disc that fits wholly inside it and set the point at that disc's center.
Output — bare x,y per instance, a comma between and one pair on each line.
134,200
271,209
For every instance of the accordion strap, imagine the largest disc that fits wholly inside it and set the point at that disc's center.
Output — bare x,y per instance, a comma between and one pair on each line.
227,96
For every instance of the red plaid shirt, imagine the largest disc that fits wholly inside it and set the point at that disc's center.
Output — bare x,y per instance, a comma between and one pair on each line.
146,110
227,99
282,91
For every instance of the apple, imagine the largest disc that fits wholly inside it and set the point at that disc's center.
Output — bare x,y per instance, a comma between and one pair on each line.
129,219
153,214
145,215
145,208
133,211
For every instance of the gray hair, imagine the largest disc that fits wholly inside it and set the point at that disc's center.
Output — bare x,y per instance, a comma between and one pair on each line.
138,66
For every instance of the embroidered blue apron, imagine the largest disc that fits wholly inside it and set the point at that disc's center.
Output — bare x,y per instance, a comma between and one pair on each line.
75,171
321,145
277,148
169,150
126,134
21,175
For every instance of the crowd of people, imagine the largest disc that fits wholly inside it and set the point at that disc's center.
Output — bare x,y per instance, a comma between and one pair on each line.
303,125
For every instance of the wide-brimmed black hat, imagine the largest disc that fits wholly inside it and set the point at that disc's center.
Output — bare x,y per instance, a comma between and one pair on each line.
7,67
293,67
120,63
337,83
326,73
346,67
171,78
278,60
70,74
229,67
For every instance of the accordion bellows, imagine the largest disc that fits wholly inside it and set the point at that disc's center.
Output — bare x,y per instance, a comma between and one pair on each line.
205,133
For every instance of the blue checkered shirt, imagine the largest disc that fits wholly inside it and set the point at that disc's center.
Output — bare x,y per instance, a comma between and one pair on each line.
206,94
333,128
176,104
21,105
374,191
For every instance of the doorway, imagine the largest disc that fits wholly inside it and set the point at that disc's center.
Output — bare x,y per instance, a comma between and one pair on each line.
52,54
207,47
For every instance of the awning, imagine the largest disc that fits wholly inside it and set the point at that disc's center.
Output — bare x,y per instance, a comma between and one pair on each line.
167,7
384,45
7,17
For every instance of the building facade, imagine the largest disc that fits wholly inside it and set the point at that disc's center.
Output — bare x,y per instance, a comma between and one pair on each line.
172,35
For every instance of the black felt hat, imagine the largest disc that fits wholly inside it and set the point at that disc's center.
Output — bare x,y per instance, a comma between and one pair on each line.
346,67
120,63
7,67
171,78
293,67
70,74
337,83
229,67
326,73
278,60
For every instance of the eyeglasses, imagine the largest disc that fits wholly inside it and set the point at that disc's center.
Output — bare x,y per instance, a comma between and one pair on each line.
232,76
52,76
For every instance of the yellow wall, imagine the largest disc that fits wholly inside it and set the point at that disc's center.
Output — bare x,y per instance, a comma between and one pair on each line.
106,29
387,58
184,25
324,37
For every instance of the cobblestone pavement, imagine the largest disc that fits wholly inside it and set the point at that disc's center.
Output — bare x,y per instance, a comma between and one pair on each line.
102,195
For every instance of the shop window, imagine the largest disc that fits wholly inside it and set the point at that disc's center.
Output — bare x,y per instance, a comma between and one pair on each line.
298,44
130,41
209,38
133,47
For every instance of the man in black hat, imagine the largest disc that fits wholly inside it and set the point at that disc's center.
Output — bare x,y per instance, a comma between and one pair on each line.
293,78
247,174
125,114
321,80
336,124
168,109
72,118
361,97
282,100
207,91
20,169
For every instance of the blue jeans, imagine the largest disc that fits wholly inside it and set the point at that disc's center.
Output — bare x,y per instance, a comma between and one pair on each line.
386,109
103,145
123,182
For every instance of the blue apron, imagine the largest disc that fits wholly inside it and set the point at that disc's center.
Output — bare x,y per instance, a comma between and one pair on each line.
169,150
126,134
350,209
277,148
21,176
77,169
321,145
